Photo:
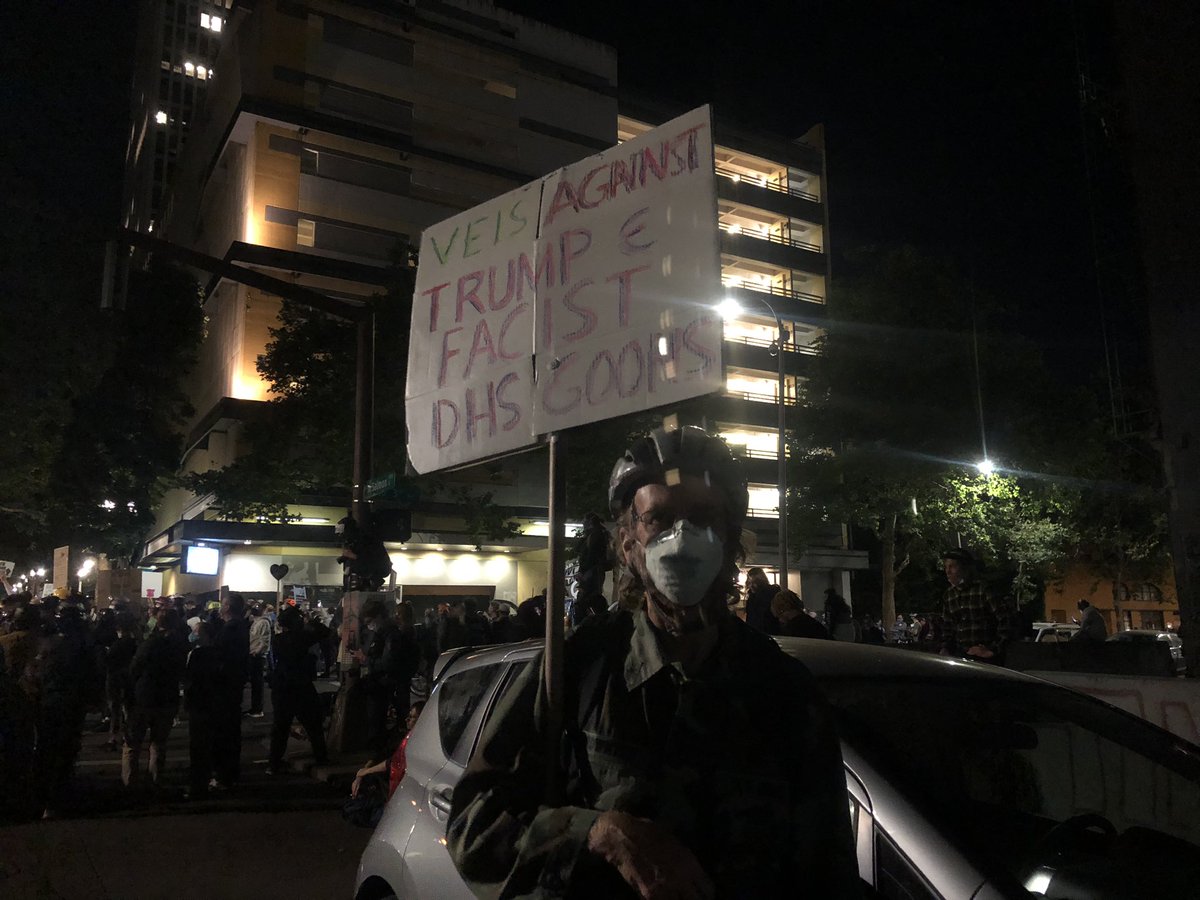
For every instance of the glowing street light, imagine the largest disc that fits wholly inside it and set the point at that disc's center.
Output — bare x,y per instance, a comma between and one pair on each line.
985,466
85,569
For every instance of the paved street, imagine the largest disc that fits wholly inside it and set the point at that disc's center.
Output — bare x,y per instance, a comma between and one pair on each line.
279,836
175,855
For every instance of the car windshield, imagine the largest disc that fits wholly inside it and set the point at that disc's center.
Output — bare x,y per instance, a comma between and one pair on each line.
1005,762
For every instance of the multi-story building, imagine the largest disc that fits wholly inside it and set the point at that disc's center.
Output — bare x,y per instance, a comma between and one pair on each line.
174,66
338,131
335,132
773,218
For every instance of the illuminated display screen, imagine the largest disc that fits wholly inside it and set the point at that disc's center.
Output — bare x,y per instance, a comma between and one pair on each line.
202,561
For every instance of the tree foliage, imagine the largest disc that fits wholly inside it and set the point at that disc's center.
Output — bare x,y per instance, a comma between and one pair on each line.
104,441
888,437
301,445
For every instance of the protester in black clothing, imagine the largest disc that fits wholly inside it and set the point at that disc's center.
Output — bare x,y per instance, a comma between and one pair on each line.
759,593
17,739
837,616
233,646
105,631
425,633
531,616
292,693
118,682
201,687
61,677
788,609
585,590
156,671
329,646
392,658
503,627
477,625
452,627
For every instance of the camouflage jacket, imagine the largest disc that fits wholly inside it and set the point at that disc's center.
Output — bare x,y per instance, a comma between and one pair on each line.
740,762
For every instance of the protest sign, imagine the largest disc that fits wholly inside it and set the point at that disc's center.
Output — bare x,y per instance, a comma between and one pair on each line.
470,361
606,272
629,278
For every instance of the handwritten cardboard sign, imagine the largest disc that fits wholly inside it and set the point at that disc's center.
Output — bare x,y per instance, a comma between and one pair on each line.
470,363
629,278
607,270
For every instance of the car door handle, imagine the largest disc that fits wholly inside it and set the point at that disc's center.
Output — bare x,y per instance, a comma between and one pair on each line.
440,799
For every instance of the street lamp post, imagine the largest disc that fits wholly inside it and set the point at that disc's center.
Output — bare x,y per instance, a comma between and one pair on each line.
729,309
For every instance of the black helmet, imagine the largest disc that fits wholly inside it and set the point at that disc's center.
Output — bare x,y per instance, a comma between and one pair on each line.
688,450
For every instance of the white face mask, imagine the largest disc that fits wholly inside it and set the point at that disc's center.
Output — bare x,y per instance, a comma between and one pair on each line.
683,561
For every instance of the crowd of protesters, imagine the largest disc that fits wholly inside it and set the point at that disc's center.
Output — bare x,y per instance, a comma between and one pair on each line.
61,657
145,666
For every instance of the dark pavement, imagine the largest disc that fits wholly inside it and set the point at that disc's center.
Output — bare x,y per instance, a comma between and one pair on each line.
270,836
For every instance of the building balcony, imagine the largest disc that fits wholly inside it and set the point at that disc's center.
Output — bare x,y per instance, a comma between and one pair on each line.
779,198
770,237
745,408
785,255
796,304
753,353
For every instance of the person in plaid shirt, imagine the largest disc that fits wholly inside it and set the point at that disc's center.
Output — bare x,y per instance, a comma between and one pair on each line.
973,623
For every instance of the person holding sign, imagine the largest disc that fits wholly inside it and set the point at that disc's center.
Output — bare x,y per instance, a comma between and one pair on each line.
700,760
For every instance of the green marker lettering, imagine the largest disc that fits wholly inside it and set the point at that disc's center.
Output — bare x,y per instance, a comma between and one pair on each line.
444,255
470,238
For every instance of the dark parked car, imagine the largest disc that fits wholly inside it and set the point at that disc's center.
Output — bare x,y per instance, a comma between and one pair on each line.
1149,636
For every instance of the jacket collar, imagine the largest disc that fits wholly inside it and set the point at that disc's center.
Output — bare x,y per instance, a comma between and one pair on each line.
645,658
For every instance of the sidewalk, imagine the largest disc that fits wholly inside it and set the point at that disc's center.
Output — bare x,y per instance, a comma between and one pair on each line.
263,856
97,790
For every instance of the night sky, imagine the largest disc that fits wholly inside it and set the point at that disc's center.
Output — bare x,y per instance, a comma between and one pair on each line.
950,125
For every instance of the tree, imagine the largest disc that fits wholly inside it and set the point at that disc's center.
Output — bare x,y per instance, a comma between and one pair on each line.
887,436
301,442
122,439
1123,535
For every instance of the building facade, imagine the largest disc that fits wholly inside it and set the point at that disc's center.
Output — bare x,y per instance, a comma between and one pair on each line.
178,42
333,135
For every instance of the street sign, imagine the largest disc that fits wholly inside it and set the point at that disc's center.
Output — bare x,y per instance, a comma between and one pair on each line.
405,493
607,269
379,487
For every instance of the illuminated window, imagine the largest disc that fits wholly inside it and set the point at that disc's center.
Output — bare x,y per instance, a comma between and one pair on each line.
755,443
189,68
160,117
306,232
216,24
205,21
764,501
201,73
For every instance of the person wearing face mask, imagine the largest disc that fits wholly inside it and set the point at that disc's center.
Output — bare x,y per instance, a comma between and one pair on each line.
698,760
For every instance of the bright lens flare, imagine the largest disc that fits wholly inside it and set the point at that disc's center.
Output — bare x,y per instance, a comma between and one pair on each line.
729,309
985,467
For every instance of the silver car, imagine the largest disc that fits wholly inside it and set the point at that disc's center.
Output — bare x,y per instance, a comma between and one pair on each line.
964,781
1150,635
